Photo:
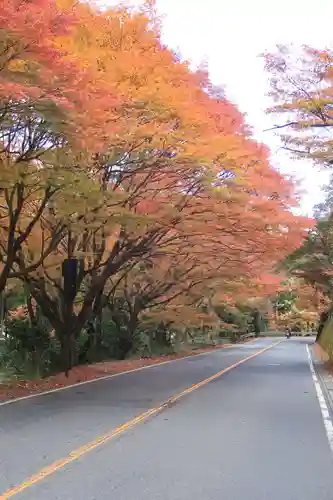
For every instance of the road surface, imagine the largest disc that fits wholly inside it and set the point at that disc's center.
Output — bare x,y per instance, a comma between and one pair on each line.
255,432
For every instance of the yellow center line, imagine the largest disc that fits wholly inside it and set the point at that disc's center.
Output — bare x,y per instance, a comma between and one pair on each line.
83,450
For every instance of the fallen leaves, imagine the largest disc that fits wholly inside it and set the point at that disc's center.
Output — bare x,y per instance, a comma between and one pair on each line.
79,374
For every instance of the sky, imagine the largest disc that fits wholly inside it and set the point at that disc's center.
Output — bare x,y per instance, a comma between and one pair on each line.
230,36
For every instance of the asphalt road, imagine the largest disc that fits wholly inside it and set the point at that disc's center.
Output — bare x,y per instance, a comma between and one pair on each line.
254,433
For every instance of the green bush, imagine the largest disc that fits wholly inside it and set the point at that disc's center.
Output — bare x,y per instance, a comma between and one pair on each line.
28,350
107,346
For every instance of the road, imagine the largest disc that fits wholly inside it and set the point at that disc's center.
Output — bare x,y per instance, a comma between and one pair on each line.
255,432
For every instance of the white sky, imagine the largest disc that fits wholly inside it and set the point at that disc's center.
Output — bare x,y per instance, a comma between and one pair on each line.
230,35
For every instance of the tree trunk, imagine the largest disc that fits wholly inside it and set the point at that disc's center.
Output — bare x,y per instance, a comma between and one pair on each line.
69,354
161,337
96,330
125,344
127,337
151,342
186,340
178,340
69,337
323,318
31,312
5,272
256,323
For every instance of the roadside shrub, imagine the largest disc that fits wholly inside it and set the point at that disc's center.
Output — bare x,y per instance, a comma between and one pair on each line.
28,350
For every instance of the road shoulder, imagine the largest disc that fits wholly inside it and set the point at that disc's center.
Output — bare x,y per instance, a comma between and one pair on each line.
324,377
12,390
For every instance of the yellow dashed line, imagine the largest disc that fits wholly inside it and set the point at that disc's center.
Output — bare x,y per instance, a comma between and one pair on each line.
74,455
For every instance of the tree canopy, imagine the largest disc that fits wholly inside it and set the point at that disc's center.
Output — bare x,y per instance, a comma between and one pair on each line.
114,152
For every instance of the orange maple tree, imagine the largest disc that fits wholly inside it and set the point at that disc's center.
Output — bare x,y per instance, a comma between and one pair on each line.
166,167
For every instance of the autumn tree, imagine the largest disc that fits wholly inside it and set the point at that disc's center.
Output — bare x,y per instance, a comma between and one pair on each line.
310,271
301,87
158,158
186,273
37,93
149,285
312,261
302,91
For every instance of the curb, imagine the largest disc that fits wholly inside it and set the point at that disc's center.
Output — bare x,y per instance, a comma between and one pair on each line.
325,379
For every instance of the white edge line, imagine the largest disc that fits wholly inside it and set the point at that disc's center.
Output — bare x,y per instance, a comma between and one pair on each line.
106,377
322,402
